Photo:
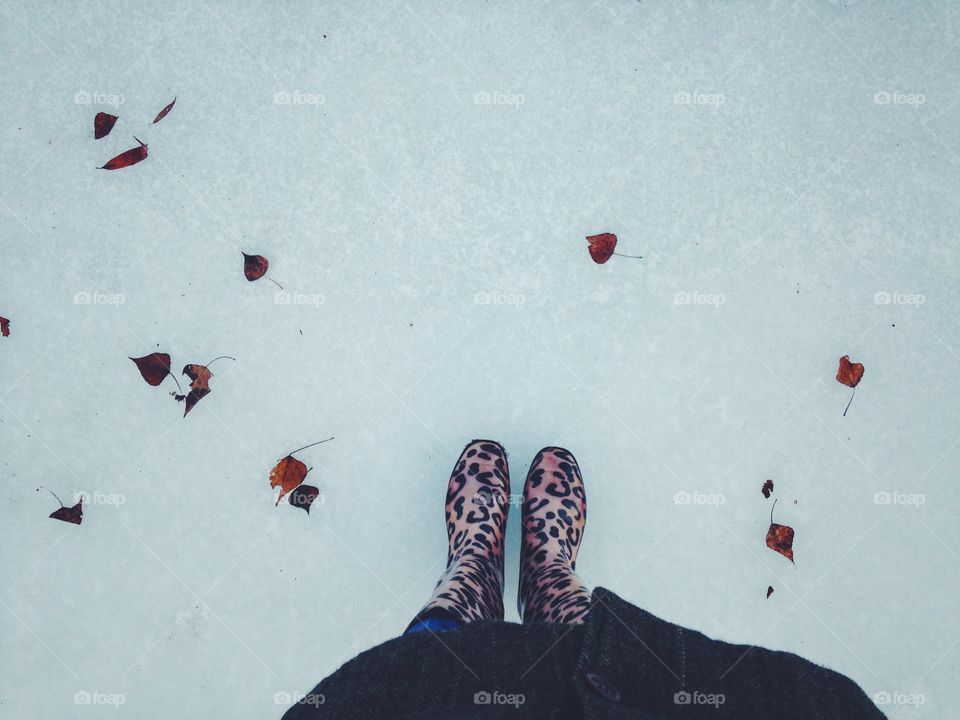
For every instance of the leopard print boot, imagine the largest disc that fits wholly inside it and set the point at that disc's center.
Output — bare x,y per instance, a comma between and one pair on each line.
471,588
554,515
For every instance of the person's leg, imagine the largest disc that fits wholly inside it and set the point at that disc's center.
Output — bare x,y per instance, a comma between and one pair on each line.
471,588
554,516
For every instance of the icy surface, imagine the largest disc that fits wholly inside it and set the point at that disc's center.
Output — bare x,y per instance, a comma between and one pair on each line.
421,177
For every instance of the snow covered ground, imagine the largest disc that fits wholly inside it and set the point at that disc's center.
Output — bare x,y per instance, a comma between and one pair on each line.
422,177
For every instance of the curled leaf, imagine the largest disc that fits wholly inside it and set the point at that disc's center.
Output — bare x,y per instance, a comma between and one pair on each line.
128,158
767,488
602,246
303,497
163,113
102,124
780,538
199,386
287,475
153,367
849,373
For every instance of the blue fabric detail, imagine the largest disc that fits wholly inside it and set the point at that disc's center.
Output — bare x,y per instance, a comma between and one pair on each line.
435,625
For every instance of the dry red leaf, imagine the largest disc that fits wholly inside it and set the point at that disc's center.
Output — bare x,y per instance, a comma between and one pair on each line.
254,266
128,158
780,537
303,497
102,124
287,475
163,113
767,488
849,373
4,327
199,386
154,367
602,247
769,590
71,515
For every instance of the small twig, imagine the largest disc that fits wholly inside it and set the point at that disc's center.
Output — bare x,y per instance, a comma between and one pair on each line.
308,446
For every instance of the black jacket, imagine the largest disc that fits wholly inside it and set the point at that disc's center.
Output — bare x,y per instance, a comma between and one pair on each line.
621,663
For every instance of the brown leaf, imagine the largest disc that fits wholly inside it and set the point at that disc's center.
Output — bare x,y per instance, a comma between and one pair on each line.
602,246
71,515
4,327
769,590
303,497
287,475
767,488
254,266
127,158
199,385
780,538
154,367
163,113
102,124
849,373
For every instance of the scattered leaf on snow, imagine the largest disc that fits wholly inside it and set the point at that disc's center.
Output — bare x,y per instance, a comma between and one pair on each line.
780,537
303,497
102,124
163,113
769,590
71,515
128,158
602,248
4,327
287,475
254,266
154,367
767,488
850,375
199,386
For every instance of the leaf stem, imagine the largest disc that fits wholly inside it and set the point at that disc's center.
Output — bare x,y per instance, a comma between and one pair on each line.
308,446
221,357
850,401
771,511
170,373
274,282
635,257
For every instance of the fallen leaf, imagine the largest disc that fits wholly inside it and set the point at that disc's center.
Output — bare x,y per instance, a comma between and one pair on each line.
602,247
780,537
767,488
128,158
163,113
303,497
154,367
199,386
102,124
850,375
4,327
287,475
254,266
71,515
769,590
